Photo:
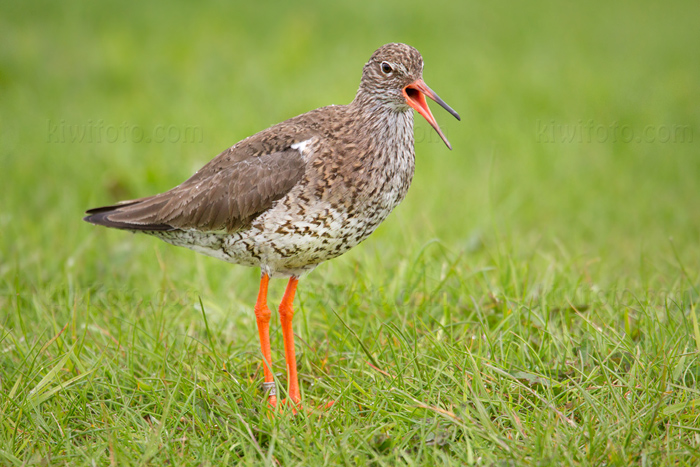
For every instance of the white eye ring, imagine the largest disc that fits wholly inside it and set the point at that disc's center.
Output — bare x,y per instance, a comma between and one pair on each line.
387,69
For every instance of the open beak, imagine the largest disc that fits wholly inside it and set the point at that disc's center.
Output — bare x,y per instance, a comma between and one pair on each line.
415,97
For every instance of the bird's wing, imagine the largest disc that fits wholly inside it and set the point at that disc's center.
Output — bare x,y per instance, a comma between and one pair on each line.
226,194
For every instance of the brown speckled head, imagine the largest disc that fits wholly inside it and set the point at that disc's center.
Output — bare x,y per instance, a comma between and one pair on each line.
393,77
391,68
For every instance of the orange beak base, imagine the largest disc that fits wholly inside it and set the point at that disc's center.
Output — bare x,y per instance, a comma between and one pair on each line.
415,94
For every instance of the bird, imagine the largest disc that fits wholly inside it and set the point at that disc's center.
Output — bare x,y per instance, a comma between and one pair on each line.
298,193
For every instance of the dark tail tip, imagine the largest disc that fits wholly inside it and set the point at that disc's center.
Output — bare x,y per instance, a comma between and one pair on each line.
100,216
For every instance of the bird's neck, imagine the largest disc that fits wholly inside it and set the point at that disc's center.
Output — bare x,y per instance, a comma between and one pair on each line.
382,120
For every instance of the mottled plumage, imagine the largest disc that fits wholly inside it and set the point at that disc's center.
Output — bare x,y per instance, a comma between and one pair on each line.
303,191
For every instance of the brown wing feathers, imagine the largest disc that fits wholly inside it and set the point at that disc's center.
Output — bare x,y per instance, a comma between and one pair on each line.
225,194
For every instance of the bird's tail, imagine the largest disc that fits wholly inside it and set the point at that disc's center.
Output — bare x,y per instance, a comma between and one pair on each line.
109,216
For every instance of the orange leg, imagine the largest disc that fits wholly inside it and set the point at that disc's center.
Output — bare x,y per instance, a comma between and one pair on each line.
286,315
262,315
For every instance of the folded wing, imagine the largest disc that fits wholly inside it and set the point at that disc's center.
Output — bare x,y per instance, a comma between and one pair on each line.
226,194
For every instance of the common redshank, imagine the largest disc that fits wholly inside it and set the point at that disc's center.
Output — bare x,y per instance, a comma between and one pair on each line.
298,193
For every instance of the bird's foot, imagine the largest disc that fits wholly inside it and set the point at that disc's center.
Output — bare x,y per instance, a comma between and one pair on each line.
293,400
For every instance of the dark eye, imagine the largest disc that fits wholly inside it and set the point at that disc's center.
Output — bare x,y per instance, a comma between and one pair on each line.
386,68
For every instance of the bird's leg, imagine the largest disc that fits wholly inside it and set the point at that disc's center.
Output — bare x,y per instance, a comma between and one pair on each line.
286,315
262,315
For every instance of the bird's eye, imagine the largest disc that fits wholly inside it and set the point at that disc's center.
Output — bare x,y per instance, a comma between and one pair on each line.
386,68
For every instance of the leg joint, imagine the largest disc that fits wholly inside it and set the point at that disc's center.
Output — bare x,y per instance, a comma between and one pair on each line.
286,313
262,313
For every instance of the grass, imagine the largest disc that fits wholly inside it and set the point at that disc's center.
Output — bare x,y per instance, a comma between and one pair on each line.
534,301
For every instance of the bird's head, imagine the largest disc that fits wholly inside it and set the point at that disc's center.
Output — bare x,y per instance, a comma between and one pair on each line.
394,76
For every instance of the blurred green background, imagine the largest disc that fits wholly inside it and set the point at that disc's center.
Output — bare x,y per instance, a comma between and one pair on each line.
578,139
574,179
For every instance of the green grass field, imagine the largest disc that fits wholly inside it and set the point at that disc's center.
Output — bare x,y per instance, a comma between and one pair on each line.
534,300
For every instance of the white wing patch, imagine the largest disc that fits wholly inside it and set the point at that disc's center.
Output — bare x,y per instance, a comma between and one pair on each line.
303,147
